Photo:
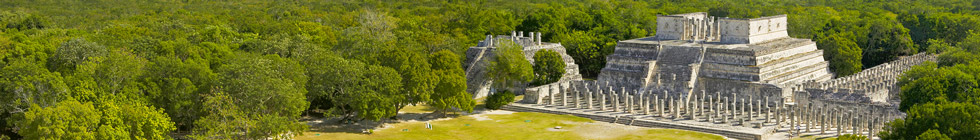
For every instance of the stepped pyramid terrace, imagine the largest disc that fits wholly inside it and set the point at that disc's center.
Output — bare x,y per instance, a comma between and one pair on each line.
739,78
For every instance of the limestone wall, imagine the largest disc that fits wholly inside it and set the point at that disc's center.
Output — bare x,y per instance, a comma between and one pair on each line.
751,31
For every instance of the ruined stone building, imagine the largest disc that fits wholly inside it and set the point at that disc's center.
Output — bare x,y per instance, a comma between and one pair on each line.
478,58
739,78
693,53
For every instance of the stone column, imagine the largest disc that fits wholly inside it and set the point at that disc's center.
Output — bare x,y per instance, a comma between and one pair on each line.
768,111
711,106
823,124
602,100
615,101
838,119
808,118
657,104
739,111
759,108
660,107
551,95
629,103
779,118
588,98
564,96
749,102
854,126
871,128
724,113
795,118
577,100
751,110
690,112
646,104
677,109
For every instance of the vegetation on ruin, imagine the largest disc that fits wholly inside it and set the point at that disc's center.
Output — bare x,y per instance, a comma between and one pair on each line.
155,69
548,67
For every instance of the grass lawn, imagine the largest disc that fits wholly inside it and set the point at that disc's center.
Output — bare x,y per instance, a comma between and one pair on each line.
520,125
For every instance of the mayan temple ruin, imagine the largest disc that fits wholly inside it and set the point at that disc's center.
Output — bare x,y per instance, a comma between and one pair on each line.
739,78
477,59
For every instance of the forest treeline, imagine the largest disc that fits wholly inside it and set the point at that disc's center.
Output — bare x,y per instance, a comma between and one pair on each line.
250,69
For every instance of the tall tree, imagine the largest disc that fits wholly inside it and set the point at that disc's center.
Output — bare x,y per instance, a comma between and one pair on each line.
954,120
66,120
268,89
508,68
416,73
844,54
887,40
548,67
450,91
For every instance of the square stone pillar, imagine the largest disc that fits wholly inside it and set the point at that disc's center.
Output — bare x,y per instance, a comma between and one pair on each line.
577,99
588,98
711,106
768,111
751,111
551,94
690,112
615,101
677,108
564,95
602,100
646,104
779,119
660,107
629,103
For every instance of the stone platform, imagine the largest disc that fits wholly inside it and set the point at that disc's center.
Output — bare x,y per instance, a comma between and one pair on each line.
730,131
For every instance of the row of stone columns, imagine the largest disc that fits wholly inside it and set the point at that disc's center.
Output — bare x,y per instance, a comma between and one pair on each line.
718,109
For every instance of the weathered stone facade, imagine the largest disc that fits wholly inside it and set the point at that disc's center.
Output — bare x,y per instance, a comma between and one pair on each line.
694,53
477,60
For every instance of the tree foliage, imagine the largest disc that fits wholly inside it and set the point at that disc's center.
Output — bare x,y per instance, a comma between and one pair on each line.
844,55
499,99
450,90
508,68
953,120
548,67
217,69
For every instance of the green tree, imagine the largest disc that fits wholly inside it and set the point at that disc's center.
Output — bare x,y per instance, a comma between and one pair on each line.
932,134
844,54
548,67
499,99
886,41
268,89
353,89
955,120
24,83
508,68
416,73
178,86
927,83
450,91
114,77
73,52
377,98
119,121
590,57
65,120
